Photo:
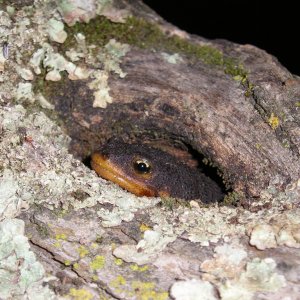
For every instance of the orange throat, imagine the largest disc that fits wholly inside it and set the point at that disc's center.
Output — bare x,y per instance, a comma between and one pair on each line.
107,170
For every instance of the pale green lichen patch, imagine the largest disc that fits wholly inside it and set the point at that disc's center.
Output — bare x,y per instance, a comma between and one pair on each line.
193,289
20,273
260,276
56,31
244,278
55,63
25,73
211,225
172,58
283,231
101,89
228,260
10,204
24,92
147,249
111,56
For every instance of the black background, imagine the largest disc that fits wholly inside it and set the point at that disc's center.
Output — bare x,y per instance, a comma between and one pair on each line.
271,25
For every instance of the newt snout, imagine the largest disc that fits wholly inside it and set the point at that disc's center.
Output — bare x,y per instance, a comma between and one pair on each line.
147,171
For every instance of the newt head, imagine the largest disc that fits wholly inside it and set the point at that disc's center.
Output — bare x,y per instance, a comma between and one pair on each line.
131,175
147,171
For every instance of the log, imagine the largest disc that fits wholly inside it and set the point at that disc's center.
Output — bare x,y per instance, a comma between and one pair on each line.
233,104
78,74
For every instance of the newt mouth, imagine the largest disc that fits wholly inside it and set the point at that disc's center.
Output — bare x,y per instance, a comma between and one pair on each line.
109,171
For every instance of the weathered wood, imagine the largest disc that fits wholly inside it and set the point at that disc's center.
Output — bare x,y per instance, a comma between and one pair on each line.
234,104
231,123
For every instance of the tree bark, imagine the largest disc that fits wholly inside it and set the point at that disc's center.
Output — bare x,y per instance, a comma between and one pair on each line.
233,104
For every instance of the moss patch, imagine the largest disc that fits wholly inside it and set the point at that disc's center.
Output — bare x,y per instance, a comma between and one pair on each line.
232,198
143,34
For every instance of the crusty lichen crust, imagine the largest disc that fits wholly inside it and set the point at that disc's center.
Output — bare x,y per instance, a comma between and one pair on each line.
36,169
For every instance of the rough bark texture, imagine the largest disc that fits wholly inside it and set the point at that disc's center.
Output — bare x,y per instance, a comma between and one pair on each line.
234,104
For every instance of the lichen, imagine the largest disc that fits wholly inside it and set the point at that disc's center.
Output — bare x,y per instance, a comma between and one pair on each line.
273,121
61,236
83,251
193,289
260,276
98,262
118,261
137,268
80,294
101,93
119,280
144,227
147,249
146,291
24,92
20,273
56,31
55,63
111,56
281,230
263,236
229,260
172,58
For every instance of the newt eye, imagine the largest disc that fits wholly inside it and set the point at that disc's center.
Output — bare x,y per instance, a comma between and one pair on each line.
142,166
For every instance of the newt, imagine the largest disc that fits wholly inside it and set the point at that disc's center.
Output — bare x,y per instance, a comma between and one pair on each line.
147,171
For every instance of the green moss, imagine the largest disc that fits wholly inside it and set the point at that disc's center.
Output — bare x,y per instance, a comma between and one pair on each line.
172,203
143,34
232,199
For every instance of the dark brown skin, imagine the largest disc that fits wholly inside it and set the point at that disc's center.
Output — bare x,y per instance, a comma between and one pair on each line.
147,171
